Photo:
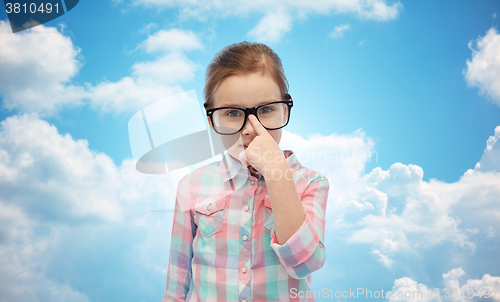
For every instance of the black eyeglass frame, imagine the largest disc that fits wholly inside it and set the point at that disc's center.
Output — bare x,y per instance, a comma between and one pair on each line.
253,111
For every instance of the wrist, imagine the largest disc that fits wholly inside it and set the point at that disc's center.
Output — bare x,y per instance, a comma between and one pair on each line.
277,172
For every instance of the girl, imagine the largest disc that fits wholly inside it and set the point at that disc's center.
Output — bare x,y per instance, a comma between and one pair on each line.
250,227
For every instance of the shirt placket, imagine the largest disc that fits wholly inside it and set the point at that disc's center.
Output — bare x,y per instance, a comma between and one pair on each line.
245,273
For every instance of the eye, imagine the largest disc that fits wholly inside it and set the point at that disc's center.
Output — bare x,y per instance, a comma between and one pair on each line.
266,109
233,113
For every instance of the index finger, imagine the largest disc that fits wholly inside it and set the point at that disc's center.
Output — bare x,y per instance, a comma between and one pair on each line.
257,125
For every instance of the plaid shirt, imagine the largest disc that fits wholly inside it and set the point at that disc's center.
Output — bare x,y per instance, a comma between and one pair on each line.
223,244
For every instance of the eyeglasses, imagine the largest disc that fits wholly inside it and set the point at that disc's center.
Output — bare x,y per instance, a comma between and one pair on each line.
231,120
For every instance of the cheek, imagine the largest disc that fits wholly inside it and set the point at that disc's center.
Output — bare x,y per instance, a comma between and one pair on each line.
230,141
276,134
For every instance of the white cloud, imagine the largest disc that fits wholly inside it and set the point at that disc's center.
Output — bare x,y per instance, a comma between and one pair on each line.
483,71
150,81
174,40
368,9
272,27
40,162
78,182
147,28
168,69
386,261
405,289
23,253
490,161
278,15
36,67
486,287
475,201
455,289
421,214
65,210
396,212
340,158
378,10
338,31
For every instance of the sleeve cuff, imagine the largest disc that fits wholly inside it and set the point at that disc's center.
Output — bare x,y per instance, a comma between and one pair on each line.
300,248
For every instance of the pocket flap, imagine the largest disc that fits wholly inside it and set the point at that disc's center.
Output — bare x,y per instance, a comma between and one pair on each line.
209,205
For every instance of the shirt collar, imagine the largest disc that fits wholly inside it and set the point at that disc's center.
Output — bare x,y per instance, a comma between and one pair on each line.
234,167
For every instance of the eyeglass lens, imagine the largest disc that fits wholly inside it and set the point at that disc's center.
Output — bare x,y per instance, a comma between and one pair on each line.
230,120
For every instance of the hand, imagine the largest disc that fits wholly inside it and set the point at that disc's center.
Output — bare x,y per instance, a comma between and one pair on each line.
263,153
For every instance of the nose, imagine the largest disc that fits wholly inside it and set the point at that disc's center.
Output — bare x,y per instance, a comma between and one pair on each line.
248,128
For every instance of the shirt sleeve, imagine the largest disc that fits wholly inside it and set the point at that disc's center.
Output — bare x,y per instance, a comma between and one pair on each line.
304,252
179,273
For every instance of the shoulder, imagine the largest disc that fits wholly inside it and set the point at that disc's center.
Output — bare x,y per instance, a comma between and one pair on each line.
302,173
201,184
201,175
308,176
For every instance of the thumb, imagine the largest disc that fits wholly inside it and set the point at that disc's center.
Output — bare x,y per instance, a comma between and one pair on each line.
243,158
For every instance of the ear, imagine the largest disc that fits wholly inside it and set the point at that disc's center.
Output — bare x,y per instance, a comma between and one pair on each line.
209,123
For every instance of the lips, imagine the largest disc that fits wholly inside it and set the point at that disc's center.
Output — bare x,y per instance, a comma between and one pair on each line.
245,146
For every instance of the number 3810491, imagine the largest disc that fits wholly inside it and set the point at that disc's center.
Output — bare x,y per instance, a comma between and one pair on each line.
32,8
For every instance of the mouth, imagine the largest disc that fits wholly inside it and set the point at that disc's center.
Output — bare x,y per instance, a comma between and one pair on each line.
244,146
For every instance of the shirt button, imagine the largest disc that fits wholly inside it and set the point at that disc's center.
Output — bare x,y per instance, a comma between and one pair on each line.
244,269
245,237
252,182
209,207
245,208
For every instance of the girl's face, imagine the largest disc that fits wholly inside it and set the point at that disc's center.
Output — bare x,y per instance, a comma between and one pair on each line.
246,90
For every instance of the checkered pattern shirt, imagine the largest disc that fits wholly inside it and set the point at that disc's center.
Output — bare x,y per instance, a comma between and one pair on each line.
223,244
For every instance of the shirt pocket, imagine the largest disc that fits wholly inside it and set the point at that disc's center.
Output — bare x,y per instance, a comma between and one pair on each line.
209,215
268,215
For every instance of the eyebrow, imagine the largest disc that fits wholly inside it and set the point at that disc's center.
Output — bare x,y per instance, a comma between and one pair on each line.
235,105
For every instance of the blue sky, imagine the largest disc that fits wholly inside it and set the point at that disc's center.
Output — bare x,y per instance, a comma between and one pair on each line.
414,83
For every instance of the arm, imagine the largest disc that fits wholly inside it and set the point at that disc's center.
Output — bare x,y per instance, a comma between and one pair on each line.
299,222
303,251
179,272
288,211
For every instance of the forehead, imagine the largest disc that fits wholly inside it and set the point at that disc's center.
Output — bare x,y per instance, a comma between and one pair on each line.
247,90
243,104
